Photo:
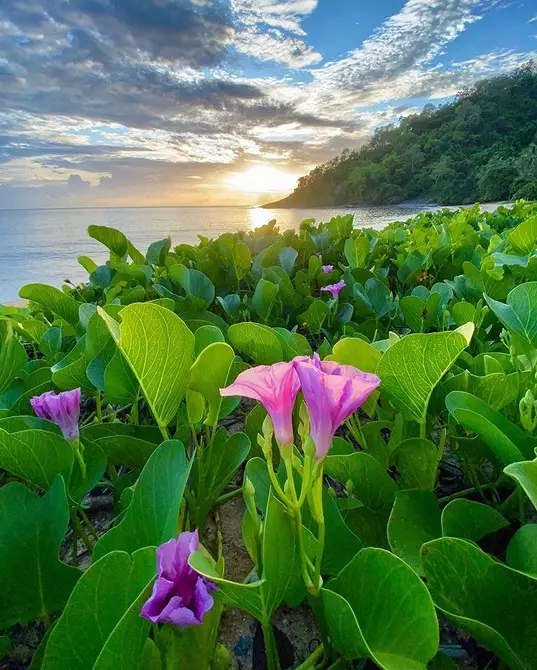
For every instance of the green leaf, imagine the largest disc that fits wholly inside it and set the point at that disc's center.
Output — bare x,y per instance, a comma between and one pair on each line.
314,317
214,469
342,544
33,582
287,258
101,627
470,520
13,356
523,238
258,342
282,578
414,520
198,287
525,473
153,513
507,441
53,300
416,460
494,604
378,607
522,550
124,444
356,250
264,298
51,342
36,456
246,597
205,336
111,238
519,315
209,374
157,252
412,367
159,347
237,257
293,344
360,354
371,483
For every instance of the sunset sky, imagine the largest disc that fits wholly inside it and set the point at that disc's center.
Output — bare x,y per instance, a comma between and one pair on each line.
223,102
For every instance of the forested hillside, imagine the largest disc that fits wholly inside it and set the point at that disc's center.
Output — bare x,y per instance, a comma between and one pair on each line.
480,147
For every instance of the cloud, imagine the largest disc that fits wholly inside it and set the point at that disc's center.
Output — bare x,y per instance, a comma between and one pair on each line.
106,101
272,31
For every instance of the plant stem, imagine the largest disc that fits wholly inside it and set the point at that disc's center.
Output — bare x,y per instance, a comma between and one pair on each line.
303,564
77,526
313,659
319,557
297,515
88,523
98,407
164,432
228,496
271,650
74,549
463,493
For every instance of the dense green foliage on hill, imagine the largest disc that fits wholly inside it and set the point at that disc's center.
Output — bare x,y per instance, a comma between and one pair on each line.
481,147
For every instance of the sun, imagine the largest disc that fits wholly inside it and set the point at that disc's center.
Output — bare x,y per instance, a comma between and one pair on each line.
262,179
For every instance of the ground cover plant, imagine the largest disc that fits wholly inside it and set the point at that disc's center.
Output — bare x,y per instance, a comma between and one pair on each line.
370,397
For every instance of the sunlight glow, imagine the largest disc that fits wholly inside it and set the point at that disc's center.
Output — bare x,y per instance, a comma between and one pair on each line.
262,179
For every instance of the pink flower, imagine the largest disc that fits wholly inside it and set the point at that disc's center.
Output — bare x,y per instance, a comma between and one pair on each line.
63,409
332,392
334,289
327,269
276,387
180,595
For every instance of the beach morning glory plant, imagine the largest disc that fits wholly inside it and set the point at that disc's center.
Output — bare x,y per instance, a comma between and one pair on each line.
64,410
332,393
180,595
334,289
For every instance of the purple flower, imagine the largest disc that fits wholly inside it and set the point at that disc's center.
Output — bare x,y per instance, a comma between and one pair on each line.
334,289
180,595
332,392
63,409
327,269
276,387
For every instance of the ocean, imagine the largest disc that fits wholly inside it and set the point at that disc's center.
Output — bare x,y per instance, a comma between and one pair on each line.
43,245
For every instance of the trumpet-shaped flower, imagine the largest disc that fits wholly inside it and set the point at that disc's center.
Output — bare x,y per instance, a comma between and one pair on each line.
276,387
62,408
327,269
180,595
332,392
334,289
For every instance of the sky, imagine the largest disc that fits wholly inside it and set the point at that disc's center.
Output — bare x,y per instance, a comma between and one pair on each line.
224,102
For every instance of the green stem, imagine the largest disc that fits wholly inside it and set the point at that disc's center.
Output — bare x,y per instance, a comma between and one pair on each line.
271,650
463,493
78,455
112,473
135,413
319,557
303,558
228,496
88,523
276,484
313,659
297,514
74,549
77,526
164,432
98,407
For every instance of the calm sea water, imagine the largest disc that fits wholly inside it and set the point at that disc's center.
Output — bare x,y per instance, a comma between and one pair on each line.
43,245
